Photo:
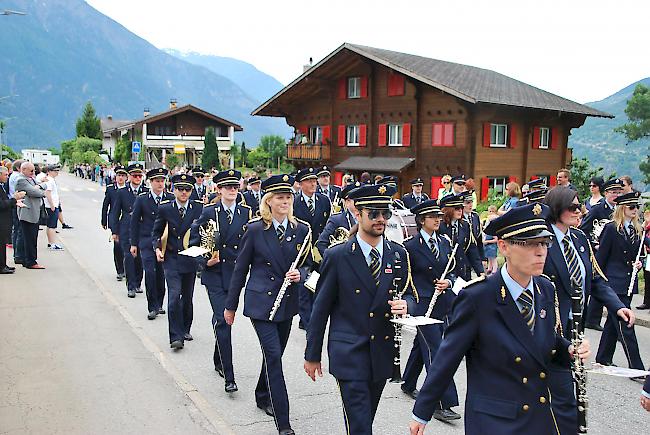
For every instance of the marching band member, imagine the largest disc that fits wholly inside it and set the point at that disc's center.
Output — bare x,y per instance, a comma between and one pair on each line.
474,221
346,219
107,206
230,220
120,219
619,244
254,195
358,277
324,185
200,191
270,245
173,223
416,196
145,209
430,252
505,327
458,230
571,258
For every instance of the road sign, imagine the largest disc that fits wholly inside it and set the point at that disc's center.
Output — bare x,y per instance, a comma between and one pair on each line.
135,147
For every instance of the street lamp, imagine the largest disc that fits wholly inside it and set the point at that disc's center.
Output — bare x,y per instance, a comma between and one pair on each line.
9,12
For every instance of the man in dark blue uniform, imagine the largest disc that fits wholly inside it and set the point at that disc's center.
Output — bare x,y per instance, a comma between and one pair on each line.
107,205
361,284
145,209
315,209
170,235
200,191
120,224
325,187
600,213
225,222
254,195
474,221
345,219
416,196
505,326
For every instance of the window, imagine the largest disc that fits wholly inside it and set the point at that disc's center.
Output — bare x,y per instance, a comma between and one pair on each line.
544,137
499,135
354,87
498,184
352,136
395,135
315,135
443,134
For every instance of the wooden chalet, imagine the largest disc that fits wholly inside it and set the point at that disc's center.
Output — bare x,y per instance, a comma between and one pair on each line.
368,109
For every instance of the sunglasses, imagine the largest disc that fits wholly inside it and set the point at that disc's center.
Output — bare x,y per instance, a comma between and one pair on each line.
546,243
633,206
593,185
573,208
374,213
136,175
459,207
183,188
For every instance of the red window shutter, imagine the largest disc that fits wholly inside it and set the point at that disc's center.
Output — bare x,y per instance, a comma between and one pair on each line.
341,136
342,91
338,178
395,84
406,135
437,134
513,179
553,181
364,87
512,135
534,177
327,133
400,84
536,137
304,129
362,135
448,134
381,135
487,128
555,138
436,184
485,187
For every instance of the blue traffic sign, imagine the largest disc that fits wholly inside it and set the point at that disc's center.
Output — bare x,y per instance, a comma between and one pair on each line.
135,147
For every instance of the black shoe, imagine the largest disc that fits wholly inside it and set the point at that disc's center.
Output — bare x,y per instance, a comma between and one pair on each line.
138,290
287,432
152,315
188,337
130,293
643,307
120,276
638,378
219,371
67,227
176,344
231,387
268,409
11,268
7,271
445,415
161,311
413,394
594,326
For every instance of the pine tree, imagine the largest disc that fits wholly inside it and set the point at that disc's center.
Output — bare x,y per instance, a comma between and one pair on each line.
210,157
88,124
243,154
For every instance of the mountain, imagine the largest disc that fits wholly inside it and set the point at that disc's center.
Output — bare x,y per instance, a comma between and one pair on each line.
64,53
597,140
257,84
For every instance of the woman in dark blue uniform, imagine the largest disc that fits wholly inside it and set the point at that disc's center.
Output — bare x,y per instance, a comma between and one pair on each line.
228,219
269,250
619,244
430,251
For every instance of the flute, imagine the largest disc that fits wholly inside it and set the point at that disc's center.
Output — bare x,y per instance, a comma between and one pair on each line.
434,298
634,269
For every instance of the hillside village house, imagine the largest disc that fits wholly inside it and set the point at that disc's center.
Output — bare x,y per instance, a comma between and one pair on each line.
40,157
368,109
179,129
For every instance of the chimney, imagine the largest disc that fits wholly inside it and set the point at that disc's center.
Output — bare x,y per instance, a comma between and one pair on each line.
146,112
305,68
172,103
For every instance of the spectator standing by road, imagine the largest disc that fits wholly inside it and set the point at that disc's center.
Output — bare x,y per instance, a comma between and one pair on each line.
16,233
30,214
52,207
7,204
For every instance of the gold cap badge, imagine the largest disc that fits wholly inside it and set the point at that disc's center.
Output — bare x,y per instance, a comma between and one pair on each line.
183,177
231,172
285,178
537,210
382,189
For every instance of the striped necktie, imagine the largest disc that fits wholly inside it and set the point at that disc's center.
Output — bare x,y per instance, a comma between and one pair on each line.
454,232
375,265
434,247
526,302
229,215
181,211
572,261
280,232
310,205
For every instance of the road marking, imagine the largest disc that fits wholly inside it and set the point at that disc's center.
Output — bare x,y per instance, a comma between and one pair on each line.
78,189
92,189
64,189
95,200
189,390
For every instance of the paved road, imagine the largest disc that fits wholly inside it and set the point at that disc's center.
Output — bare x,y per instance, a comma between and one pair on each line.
80,357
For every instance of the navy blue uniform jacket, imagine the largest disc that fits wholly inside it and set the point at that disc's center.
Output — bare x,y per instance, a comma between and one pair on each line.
360,341
177,228
409,199
343,219
250,200
598,212
143,217
268,262
322,212
507,380
477,233
467,253
616,256
109,199
230,242
333,190
121,209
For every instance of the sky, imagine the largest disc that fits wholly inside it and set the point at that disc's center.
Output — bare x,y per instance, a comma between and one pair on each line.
581,50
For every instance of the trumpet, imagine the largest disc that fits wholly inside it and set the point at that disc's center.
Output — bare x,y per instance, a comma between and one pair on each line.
209,233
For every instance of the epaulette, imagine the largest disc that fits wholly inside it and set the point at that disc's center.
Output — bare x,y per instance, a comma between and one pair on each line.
143,193
474,281
407,239
198,201
165,201
338,212
548,278
397,243
255,219
338,242
447,237
210,204
243,204
301,221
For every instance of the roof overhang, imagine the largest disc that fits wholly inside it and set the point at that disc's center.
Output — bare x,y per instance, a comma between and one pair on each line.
375,164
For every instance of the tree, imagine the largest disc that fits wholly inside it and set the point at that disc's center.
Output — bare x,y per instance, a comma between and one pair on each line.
122,153
638,112
7,151
582,172
243,153
80,145
275,147
171,161
88,124
258,157
210,158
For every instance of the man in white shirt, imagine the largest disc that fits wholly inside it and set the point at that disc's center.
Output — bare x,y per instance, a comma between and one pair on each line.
52,207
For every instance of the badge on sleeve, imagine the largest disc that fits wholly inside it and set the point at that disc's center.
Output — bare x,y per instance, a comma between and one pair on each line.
542,313
582,249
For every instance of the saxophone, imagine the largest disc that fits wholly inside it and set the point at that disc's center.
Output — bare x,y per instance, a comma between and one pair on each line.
579,373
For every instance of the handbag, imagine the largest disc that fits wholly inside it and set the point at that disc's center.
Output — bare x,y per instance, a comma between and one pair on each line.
42,218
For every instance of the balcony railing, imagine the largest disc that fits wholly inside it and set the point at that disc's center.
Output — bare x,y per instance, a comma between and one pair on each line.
308,152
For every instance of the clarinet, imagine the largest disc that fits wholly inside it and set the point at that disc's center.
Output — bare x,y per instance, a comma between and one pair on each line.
396,377
579,373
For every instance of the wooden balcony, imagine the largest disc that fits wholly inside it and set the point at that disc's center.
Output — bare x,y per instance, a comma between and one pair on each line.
308,151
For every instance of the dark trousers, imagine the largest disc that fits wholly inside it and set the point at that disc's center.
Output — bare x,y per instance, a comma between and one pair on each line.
616,329
118,258
425,347
132,266
594,312
222,356
154,279
3,255
180,290
30,239
564,405
360,402
271,388
646,293
306,302
17,238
